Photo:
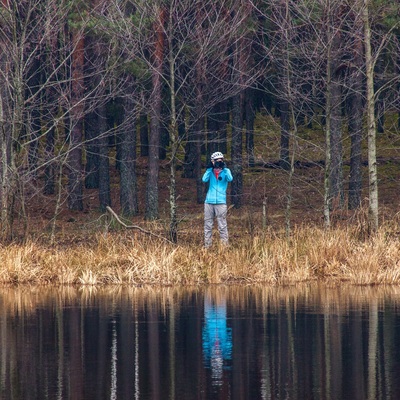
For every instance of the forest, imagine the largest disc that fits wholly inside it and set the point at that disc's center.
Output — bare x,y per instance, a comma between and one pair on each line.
123,101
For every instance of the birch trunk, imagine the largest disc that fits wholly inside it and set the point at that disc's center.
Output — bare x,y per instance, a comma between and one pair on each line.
173,135
371,133
4,175
328,106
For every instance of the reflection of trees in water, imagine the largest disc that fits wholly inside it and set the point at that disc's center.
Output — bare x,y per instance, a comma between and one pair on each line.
336,298
133,342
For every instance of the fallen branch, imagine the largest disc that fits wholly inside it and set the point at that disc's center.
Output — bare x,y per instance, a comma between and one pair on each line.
114,214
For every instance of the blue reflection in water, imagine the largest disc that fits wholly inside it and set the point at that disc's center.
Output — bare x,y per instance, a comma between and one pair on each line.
217,337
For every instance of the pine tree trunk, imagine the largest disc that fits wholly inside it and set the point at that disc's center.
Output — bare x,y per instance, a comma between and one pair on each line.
152,211
92,151
128,181
52,104
199,133
189,165
355,131
355,116
236,150
212,131
104,162
222,126
144,135
250,117
164,129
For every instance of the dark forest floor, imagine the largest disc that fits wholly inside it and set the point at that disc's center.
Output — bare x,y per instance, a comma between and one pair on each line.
264,182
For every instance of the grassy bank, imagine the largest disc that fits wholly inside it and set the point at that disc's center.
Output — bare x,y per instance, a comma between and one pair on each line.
338,255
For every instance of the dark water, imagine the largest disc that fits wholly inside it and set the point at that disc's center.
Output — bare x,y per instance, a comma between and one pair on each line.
308,342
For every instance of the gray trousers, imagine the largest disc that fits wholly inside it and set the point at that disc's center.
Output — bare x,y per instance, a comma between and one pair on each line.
217,211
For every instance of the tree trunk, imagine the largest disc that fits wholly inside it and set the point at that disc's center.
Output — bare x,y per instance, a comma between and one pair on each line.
128,181
92,151
355,117
144,135
336,193
379,71
4,146
222,126
371,124
326,117
336,170
165,123
355,131
50,126
240,63
173,136
51,102
333,183
152,211
236,150
189,165
250,116
284,83
212,131
49,173
34,114
104,162
199,133
75,186
284,161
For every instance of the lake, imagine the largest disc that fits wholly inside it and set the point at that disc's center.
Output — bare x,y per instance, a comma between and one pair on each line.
309,341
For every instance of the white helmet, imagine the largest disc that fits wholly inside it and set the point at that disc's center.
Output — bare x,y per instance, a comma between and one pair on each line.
216,155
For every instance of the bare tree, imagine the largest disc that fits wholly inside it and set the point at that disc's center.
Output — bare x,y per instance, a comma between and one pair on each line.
326,51
200,69
46,99
75,176
371,122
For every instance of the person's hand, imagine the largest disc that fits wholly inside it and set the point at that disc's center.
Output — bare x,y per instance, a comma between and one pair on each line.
210,165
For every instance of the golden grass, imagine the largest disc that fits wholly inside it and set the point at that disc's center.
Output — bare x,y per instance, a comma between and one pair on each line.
311,254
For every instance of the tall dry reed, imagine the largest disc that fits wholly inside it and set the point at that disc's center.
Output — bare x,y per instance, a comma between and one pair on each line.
310,254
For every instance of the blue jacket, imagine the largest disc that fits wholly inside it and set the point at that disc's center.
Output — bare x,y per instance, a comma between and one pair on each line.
217,190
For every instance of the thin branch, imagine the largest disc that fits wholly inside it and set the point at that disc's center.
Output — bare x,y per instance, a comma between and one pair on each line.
114,214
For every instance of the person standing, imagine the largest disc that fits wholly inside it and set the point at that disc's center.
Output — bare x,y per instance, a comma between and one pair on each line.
218,176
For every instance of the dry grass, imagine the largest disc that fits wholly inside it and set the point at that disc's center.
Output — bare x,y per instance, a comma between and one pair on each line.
312,254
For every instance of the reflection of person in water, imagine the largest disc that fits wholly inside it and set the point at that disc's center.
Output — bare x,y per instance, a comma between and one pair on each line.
217,337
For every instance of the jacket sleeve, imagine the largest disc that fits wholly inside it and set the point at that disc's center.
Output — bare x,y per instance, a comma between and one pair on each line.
206,176
227,174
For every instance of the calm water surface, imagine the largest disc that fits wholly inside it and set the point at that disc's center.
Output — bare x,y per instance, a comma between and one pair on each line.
306,342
